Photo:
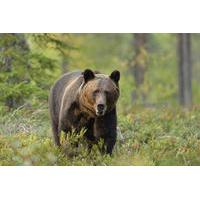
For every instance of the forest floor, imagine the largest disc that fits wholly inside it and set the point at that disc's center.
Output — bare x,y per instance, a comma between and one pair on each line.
162,136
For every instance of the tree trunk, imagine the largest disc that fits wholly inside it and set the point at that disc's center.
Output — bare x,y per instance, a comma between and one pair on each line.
139,63
140,57
185,69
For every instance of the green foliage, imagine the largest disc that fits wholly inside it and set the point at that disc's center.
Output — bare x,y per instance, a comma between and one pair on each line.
14,62
27,71
151,137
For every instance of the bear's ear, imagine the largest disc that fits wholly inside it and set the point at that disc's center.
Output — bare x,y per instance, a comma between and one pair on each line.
88,75
115,76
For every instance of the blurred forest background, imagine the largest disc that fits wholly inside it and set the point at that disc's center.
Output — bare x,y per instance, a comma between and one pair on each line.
160,73
149,64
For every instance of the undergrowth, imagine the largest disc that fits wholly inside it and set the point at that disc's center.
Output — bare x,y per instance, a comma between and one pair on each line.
162,136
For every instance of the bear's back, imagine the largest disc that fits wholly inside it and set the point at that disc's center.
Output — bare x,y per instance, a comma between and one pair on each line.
69,81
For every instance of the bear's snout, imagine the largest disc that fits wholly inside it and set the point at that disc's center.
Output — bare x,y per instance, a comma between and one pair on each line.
100,109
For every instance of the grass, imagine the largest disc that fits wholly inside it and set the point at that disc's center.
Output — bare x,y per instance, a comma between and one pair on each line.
163,136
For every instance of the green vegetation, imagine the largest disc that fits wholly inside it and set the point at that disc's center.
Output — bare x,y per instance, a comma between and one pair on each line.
156,131
151,137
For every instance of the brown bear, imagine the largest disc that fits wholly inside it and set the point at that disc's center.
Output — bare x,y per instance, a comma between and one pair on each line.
86,100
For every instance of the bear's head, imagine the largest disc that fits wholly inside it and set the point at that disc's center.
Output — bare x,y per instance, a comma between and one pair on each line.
99,93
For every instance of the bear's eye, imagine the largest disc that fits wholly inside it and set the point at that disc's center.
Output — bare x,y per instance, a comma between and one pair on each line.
95,92
107,93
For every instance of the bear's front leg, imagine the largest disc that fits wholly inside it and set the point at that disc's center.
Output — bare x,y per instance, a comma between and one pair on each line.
106,127
109,144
